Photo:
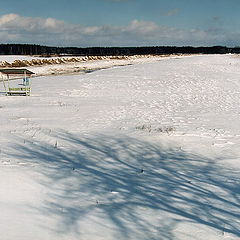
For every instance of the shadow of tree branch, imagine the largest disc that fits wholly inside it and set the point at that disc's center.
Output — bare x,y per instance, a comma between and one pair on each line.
132,188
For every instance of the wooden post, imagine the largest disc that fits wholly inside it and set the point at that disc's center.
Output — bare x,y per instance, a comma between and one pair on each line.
8,84
29,87
4,84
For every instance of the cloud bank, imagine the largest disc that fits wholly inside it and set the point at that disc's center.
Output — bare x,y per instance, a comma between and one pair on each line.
49,31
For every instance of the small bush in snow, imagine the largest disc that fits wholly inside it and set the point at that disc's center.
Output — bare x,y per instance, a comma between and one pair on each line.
149,128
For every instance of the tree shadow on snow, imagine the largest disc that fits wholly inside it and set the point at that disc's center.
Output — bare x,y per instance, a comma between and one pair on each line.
124,187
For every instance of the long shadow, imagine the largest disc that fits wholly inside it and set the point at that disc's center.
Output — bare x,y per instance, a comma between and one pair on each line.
132,188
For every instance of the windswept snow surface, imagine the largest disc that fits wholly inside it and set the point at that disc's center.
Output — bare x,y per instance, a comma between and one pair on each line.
148,151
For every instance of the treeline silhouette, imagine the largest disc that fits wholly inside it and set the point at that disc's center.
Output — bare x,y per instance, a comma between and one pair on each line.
31,49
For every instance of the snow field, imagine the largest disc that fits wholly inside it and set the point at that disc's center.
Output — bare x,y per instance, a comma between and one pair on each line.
147,151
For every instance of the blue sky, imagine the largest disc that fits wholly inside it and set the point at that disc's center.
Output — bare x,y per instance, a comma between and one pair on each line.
121,22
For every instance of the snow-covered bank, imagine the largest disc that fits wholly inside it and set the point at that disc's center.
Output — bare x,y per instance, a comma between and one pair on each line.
43,66
147,151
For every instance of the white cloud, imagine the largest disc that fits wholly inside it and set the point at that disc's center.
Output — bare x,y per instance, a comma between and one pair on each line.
5,19
142,27
50,31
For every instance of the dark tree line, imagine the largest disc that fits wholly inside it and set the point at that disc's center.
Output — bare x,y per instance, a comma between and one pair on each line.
31,49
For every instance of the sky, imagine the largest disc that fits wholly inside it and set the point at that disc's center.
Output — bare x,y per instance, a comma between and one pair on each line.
106,23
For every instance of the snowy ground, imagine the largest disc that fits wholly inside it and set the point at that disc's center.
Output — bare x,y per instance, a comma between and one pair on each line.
147,151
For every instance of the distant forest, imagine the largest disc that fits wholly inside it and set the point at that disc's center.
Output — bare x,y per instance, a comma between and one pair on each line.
31,49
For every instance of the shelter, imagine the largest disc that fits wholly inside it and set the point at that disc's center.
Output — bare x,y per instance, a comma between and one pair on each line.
13,74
